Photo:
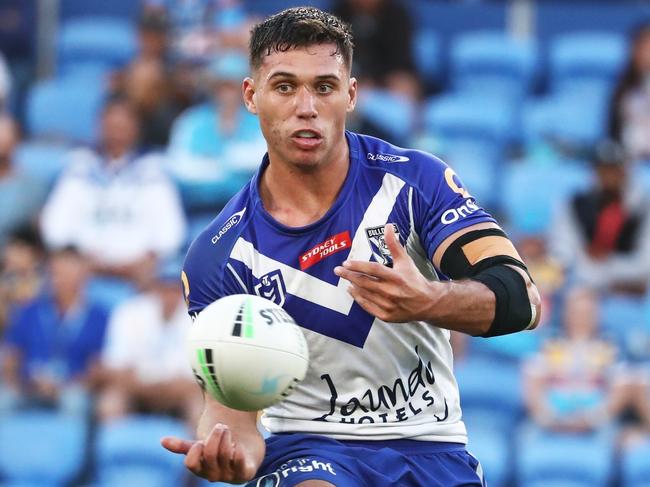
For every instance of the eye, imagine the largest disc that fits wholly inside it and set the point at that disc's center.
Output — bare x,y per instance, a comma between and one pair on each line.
284,88
325,88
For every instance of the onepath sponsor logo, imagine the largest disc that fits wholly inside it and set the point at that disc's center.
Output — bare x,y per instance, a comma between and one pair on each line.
454,214
232,222
386,157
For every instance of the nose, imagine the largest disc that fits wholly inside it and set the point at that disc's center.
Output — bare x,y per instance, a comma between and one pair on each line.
306,104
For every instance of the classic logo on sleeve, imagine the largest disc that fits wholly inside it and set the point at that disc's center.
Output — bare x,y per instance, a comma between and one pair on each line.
386,157
233,221
332,245
378,245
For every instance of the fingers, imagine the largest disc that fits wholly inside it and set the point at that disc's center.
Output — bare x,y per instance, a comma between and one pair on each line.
368,269
194,459
392,242
176,445
368,303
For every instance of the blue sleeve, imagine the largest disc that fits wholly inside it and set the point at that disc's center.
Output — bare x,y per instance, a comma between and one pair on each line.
442,206
206,275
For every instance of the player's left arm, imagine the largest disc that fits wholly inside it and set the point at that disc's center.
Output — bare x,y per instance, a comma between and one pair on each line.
490,292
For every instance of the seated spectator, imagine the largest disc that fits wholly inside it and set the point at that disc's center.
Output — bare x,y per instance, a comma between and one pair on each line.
116,204
20,271
146,87
602,236
629,118
220,133
21,196
570,386
144,361
53,343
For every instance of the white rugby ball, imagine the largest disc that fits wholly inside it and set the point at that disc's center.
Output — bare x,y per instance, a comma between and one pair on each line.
247,352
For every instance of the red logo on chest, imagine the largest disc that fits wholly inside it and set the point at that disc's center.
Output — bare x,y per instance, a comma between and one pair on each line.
332,245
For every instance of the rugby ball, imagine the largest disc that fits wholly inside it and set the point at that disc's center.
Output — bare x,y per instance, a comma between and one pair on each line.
247,352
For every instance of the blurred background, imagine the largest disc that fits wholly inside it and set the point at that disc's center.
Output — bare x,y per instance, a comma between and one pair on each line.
122,134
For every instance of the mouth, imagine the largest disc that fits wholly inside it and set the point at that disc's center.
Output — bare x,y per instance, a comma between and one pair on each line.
307,138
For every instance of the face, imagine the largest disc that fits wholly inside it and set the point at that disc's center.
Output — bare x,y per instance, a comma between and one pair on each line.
581,314
612,178
68,273
302,98
8,138
119,130
642,52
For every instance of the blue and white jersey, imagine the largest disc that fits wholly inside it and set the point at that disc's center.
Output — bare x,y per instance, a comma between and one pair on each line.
366,377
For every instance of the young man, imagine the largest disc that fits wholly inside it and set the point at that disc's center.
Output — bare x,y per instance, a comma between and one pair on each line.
358,240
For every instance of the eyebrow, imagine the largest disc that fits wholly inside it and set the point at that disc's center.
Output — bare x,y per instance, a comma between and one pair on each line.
285,74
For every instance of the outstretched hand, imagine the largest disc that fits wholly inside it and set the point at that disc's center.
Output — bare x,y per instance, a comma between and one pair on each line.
396,294
218,457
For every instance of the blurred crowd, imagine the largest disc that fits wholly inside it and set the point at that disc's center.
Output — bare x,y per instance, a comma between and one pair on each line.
112,164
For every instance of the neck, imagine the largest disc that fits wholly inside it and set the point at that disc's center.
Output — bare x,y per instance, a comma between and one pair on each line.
297,196
5,167
65,301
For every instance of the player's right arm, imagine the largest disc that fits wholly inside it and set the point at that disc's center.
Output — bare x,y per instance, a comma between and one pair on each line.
230,448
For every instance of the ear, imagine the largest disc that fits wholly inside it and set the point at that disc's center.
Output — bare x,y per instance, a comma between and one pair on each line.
248,93
352,93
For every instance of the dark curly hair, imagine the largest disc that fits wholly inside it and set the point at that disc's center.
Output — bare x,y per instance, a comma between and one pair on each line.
299,27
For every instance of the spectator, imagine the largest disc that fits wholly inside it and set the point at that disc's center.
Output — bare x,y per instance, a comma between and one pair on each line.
629,118
116,204
570,385
145,364
5,84
382,44
53,342
20,195
221,130
20,271
146,87
603,235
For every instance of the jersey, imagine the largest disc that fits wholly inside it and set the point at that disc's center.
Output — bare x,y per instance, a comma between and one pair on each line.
366,378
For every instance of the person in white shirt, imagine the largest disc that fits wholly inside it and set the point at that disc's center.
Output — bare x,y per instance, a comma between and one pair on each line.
145,365
116,204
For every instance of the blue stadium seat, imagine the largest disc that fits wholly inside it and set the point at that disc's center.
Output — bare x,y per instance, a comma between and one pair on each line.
389,112
426,53
548,458
65,109
102,41
490,387
635,467
472,118
41,159
580,59
121,9
491,446
131,447
41,448
575,117
493,63
531,193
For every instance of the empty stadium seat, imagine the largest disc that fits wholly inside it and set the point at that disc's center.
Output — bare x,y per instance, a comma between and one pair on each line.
635,467
473,118
532,192
491,446
549,458
490,388
41,159
103,41
393,114
574,118
493,63
65,109
130,449
41,448
580,59
427,55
